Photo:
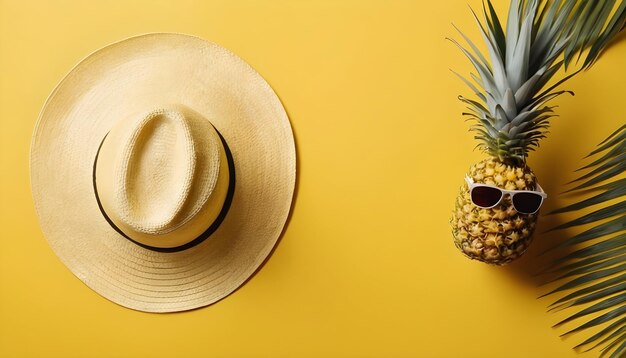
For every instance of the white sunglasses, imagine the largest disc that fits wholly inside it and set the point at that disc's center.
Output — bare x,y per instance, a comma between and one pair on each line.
488,196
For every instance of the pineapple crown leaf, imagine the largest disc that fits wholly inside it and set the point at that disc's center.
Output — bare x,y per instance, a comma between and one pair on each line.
542,36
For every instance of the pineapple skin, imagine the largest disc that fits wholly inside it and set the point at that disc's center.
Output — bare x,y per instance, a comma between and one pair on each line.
498,235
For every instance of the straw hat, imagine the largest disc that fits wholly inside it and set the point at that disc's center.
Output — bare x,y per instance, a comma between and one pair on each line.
162,170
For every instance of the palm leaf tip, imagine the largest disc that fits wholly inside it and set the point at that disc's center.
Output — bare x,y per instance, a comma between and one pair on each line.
593,27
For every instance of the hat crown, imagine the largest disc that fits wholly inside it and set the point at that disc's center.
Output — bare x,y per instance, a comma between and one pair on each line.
162,176
154,172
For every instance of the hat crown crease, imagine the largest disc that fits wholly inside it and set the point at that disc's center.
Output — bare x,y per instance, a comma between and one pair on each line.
154,172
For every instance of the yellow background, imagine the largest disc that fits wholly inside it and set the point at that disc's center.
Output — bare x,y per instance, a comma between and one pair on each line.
366,266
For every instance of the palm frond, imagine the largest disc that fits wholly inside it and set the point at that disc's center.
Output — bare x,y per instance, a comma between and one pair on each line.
595,24
585,28
596,272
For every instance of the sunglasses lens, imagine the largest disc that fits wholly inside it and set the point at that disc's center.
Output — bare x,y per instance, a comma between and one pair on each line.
526,203
485,196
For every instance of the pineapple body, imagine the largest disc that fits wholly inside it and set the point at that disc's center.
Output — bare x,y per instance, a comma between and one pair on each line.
498,235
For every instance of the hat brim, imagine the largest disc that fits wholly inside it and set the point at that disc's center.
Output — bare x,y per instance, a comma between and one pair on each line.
149,71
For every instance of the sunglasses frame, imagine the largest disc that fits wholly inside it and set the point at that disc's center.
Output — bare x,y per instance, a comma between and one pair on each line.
471,185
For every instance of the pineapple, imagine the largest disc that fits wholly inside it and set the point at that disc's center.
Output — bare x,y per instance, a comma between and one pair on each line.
500,234
511,113
510,117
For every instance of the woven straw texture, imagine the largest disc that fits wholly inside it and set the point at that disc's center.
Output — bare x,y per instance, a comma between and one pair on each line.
152,71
